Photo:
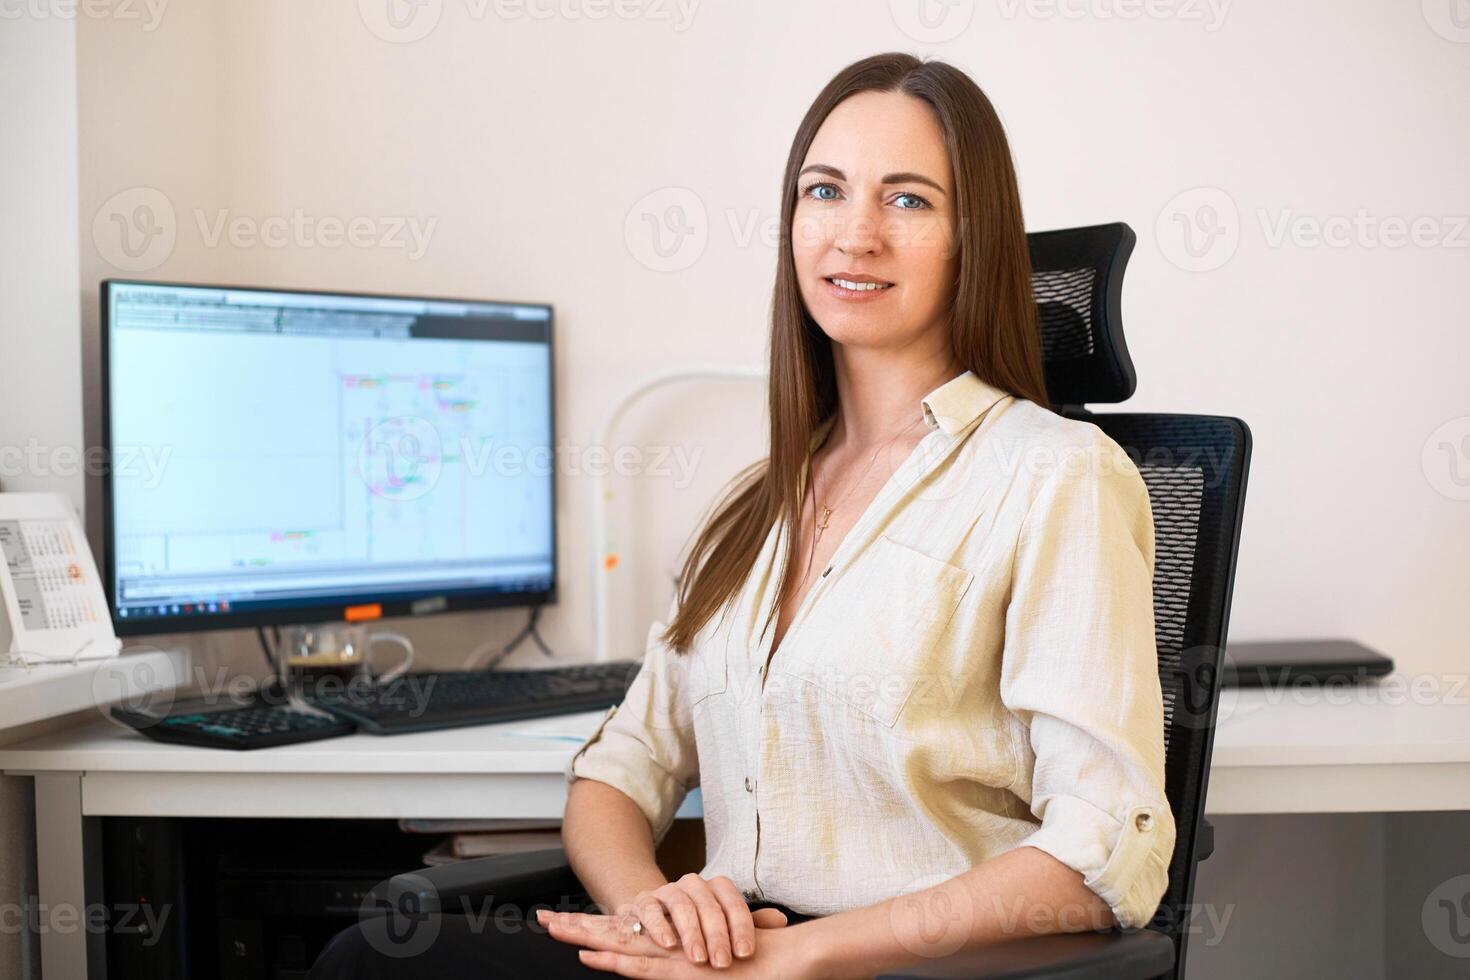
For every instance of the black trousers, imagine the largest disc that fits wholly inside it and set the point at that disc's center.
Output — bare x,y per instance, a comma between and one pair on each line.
451,945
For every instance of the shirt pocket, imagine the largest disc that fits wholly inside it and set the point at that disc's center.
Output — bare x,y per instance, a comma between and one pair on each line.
868,641
708,669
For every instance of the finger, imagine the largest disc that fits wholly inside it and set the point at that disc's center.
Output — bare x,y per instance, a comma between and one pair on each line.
737,915
596,931
686,920
768,918
576,927
655,922
711,919
628,965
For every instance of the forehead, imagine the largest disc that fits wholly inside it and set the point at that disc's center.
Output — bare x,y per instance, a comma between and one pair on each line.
875,133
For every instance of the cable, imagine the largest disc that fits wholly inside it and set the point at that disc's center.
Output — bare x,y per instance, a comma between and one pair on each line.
529,630
33,658
265,648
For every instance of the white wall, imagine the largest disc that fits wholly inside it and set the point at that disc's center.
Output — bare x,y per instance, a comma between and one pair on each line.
41,446
521,145
40,347
526,147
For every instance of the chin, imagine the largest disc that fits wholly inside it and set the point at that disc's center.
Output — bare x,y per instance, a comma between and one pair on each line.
857,329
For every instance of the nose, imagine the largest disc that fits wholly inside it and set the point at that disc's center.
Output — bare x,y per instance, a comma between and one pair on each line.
858,231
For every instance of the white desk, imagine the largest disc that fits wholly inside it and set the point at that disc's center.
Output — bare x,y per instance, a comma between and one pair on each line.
104,769
465,772
1274,753
1402,745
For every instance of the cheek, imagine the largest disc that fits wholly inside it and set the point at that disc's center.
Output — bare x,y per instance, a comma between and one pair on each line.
923,240
809,240
924,255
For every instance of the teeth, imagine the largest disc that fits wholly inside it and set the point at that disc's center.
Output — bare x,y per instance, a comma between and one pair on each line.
859,286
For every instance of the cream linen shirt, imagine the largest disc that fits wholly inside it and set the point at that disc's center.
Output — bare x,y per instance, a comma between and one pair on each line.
975,670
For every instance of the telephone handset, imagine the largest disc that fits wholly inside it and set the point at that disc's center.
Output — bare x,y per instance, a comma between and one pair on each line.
52,607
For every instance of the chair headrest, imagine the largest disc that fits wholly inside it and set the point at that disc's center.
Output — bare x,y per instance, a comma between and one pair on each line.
1077,278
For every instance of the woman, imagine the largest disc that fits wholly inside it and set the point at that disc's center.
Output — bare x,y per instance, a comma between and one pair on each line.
911,661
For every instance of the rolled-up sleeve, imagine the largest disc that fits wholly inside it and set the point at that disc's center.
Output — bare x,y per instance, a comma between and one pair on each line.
1081,671
645,745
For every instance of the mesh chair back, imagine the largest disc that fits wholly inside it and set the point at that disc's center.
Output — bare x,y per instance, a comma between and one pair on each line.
1195,467
1077,278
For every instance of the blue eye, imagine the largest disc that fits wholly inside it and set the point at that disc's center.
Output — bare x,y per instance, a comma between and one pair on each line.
814,191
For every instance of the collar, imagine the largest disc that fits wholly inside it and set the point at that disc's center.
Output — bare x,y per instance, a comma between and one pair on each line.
950,408
959,401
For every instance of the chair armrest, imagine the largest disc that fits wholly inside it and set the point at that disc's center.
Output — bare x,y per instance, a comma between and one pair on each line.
1139,955
522,878
1204,844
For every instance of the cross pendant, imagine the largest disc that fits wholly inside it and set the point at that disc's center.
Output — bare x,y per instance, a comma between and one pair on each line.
822,524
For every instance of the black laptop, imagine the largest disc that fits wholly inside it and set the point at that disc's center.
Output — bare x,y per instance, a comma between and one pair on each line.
1280,663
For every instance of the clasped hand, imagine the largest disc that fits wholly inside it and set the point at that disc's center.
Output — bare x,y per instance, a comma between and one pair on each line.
692,927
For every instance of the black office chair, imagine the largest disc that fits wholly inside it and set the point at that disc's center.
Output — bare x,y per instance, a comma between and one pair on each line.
1195,468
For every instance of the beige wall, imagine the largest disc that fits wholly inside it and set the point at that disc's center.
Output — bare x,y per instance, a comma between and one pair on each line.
524,150
521,145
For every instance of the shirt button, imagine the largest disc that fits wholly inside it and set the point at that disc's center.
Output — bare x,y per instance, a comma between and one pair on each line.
824,574
749,785
1143,821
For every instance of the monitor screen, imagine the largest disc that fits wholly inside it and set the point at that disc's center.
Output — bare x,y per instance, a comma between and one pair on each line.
283,456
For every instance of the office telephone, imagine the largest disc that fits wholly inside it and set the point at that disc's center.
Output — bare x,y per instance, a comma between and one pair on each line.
52,607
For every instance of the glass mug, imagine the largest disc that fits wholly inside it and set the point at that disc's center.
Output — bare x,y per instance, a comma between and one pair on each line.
335,656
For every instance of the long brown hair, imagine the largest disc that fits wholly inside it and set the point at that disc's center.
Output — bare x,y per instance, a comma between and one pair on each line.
993,328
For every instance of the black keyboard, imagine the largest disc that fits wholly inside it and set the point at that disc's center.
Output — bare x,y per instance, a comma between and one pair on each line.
422,701
254,724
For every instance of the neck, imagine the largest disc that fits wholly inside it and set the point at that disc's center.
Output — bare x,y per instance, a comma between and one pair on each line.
879,393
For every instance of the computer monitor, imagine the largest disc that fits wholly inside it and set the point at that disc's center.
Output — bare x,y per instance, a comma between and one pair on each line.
282,456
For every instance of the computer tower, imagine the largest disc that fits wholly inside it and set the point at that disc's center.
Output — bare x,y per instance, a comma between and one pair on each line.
147,898
240,899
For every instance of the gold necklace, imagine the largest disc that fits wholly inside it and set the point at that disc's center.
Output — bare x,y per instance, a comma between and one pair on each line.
820,524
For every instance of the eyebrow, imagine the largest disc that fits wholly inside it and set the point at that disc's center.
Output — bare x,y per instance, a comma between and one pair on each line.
904,177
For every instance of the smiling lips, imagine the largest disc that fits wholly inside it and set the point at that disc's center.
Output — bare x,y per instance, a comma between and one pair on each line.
850,286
